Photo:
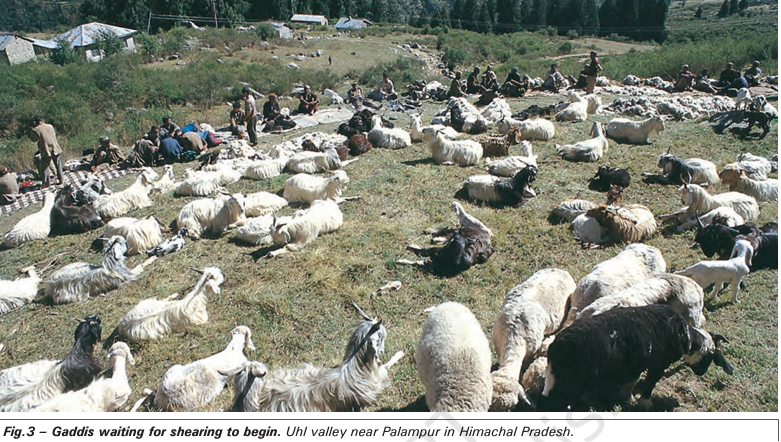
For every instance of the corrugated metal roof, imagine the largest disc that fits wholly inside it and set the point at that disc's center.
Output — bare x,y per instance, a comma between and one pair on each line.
48,44
352,23
6,39
85,35
308,18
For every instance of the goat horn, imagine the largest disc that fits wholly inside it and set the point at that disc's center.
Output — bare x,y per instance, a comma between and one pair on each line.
717,339
80,321
699,221
104,239
196,270
689,175
360,312
668,150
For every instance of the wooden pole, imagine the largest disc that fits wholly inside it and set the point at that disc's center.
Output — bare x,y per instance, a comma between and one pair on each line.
149,23
214,9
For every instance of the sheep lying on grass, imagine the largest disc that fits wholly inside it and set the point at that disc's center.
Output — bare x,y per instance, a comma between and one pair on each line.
678,171
141,234
697,200
321,217
307,188
417,130
628,131
206,183
591,150
257,230
511,192
380,136
739,181
446,151
212,215
263,203
533,129
134,197
31,227
15,294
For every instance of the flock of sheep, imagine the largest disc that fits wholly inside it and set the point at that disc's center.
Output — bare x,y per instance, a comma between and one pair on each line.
561,344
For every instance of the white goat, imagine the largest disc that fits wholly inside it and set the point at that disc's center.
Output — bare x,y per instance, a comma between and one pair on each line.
102,395
395,138
454,360
756,167
153,319
134,197
727,216
192,386
307,188
739,181
203,183
743,100
531,311
31,227
212,215
257,231
590,150
315,162
15,294
532,129
446,151
636,263
509,166
698,200
682,294
167,180
416,129
628,131
321,217
718,273
267,169
576,111
594,103
262,203
760,104
141,234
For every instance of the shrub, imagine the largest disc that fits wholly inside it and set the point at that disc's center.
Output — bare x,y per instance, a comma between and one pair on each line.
566,48
572,34
108,42
150,45
64,53
266,31
454,56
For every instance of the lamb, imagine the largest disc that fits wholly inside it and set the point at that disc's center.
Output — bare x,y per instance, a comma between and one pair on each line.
389,138
79,281
212,215
17,293
446,151
351,385
531,311
141,234
416,129
509,166
206,183
635,264
607,177
68,216
262,203
718,273
678,171
591,150
513,191
718,239
628,131
24,387
700,201
597,361
760,104
454,361
31,227
134,197
739,181
721,215
682,294
170,245
166,181
153,319
191,387
532,129
464,247
315,162
103,395
321,217
576,111
307,188
743,101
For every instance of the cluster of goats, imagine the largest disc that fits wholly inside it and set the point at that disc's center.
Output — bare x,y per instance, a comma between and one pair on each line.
561,344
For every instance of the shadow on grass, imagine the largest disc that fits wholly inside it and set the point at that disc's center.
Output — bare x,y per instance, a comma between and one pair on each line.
413,163
262,252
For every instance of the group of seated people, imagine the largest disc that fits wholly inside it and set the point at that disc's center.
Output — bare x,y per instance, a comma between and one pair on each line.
514,85
730,80
169,143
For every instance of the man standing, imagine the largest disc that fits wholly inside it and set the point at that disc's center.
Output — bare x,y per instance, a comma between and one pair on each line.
250,116
49,149
592,71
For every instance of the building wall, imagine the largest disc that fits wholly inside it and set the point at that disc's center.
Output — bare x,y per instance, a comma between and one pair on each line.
19,51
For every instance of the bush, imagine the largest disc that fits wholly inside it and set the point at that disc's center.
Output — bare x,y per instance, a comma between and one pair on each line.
572,34
454,56
266,31
64,54
566,48
150,45
108,42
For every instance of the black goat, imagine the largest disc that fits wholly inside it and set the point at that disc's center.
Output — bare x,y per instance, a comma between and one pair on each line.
79,368
515,191
535,111
68,217
719,239
597,361
606,176
674,171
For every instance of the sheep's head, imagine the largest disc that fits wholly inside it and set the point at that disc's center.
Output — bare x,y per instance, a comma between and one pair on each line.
506,392
664,160
236,203
341,176
244,331
279,234
704,348
88,330
614,195
731,175
116,247
658,123
120,349
687,192
367,343
168,171
210,277
714,238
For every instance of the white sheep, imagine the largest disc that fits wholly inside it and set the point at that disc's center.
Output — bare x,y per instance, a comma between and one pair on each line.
682,294
454,360
636,263
141,234
718,273
153,319
315,162
531,129
17,293
726,215
212,215
102,395
571,209
395,138
136,196
267,169
634,132
31,227
192,386
698,200
262,203
257,230
739,181
203,183
307,188
167,180
576,111
743,101
446,151
496,110
760,104
509,166
591,150
594,103
756,167
531,311
416,129
321,217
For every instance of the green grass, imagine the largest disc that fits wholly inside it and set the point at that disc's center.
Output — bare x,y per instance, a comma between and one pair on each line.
298,307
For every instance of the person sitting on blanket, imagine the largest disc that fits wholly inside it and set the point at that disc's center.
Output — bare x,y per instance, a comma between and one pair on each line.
9,189
309,102
273,118
106,153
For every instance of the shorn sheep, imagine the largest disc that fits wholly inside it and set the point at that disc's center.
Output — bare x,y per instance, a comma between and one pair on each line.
531,311
380,136
416,129
102,395
597,361
212,215
134,197
447,151
141,234
24,387
269,168
17,293
678,171
682,294
257,230
193,386
321,217
263,203
622,224
153,319
306,188
718,273
635,264
628,131
590,150
512,192
739,181
353,384
80,281
532,129
509,166
454,361
31,227
697,200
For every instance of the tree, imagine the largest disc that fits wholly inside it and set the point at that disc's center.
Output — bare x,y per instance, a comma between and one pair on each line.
698,13
724,11
455,14
64,53
733,7
743,5
108,43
